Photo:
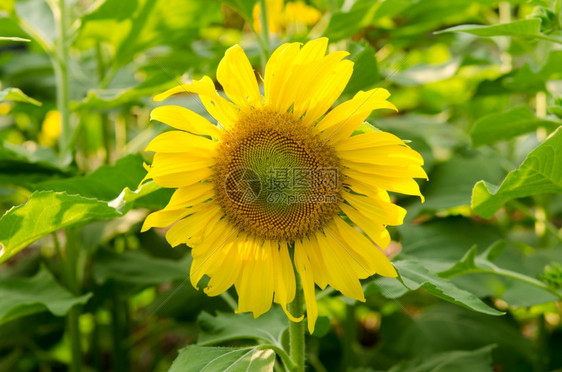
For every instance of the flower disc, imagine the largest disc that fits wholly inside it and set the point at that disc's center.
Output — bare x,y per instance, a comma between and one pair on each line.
276,178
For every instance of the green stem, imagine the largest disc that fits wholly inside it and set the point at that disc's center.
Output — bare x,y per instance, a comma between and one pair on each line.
229,300
541,362
75,342
60,63
264,30
349,336
297,329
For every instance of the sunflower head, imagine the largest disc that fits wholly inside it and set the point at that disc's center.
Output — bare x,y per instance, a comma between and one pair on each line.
281,176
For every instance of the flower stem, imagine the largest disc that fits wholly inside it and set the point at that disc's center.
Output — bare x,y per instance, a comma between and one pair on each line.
60,62
75,342
296,329
264,32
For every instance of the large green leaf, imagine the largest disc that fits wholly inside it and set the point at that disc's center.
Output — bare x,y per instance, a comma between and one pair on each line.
450,184
458,361
20,159
424,73
540,173
134,270
15,94
44,213
362,13
526,27
365,70
445,327
105,183
24,296
132,26
244,7
473,263
225,327
210,359
415,276
506,125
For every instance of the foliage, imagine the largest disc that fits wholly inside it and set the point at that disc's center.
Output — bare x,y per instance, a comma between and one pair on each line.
479,89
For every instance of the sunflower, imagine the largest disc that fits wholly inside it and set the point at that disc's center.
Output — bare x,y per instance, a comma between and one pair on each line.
276,187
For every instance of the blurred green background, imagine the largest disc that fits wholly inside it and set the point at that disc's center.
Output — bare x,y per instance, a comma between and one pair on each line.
478,85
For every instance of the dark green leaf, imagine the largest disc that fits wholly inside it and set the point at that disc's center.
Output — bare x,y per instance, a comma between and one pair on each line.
210,359
15,94
105,183
415,276
365,70
458,361
244,7
224,327
540,173
24,296
137,268
506,125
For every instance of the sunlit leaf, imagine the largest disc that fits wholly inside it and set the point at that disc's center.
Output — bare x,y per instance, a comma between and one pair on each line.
15,94
506,125
24,296
44,213
415,276
200,358
526,27
105,183
540,173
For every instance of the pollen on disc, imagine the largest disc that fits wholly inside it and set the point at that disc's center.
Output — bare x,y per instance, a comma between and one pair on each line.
275,178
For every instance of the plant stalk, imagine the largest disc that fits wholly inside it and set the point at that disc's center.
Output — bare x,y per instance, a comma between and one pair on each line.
60,63
264,32
297,329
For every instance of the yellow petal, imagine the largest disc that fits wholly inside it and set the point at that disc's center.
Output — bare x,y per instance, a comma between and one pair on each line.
184,119
302,264
402,185
219,107
340,123
176,141
367,254
384,155
308,80
237,78
277,72
374,229
343,276
329,90
179,170
367,140
378,210
192,225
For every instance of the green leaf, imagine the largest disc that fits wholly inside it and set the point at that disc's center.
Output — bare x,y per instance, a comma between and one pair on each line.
414,276
19,159
472,263
105,183
458,361
362,13
450,184
244,7
506,125
135,270
540,173
424,73
209,359
44,213
15,94
526,28
227,326
365,71
24,296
